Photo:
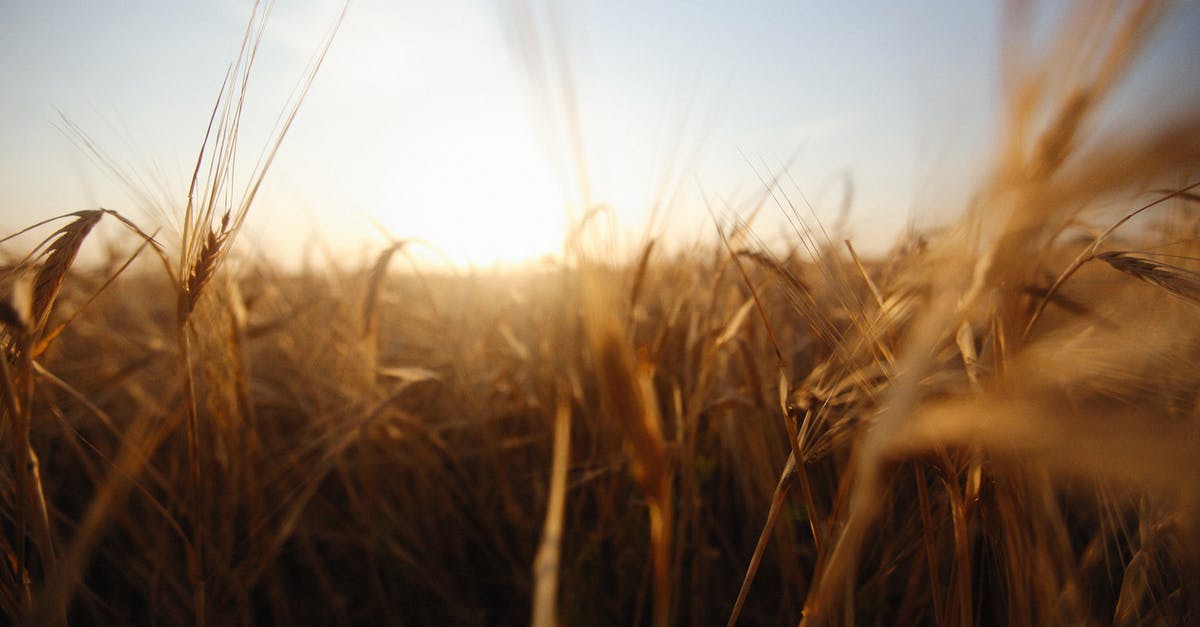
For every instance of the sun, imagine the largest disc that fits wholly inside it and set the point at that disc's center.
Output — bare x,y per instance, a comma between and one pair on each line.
471,176
481,196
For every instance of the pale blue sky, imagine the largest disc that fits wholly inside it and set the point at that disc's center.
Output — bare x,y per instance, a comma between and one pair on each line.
422,119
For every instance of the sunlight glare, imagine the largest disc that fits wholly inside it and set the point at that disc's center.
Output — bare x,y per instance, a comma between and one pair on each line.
462,166
496,204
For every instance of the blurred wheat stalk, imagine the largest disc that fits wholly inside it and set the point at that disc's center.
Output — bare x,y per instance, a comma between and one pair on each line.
1011,398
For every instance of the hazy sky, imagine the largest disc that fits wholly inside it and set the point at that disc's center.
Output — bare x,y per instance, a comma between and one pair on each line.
423,119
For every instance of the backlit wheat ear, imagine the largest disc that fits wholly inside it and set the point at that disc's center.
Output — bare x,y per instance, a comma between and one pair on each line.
203,270
370,311
639,275
60,255
774,265
1178,281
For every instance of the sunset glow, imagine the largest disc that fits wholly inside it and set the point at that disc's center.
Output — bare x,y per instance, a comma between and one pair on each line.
498,206
428,120
432,121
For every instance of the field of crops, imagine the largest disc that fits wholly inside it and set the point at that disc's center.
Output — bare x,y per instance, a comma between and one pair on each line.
995,423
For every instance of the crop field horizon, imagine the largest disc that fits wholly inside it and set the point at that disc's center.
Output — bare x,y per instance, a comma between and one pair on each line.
991,422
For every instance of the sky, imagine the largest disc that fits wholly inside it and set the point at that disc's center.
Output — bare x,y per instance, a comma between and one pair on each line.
426,121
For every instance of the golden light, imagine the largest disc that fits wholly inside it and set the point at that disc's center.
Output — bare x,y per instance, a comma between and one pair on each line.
483,196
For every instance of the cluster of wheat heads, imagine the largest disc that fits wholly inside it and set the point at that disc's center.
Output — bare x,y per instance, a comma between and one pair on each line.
1005,429
43,567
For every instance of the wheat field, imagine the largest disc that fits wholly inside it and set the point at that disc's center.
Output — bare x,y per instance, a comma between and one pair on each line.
995,423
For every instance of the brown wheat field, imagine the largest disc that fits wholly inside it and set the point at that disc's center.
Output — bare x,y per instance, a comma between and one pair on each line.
996,423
